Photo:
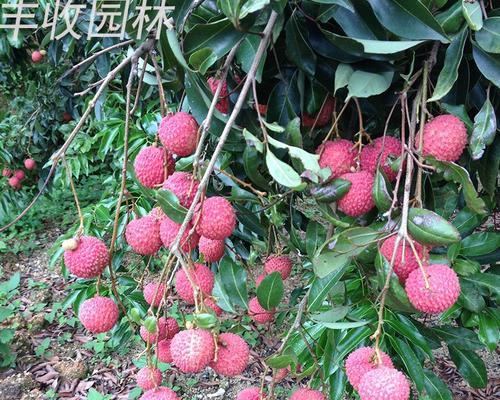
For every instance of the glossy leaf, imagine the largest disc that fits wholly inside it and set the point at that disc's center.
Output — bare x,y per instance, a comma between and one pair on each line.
283,173
489,35
472,14
308,160
331,191
315,237
489,330
170,205
232,279
321,288
480,243
470,366
382,191
488,64
365,84
427,227
410,361
435,387
270,291
485,127
489,166
297,46
458,337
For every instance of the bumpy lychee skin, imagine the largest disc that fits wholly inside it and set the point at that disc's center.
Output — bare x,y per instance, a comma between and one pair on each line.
98,314
324,117
258,313
210,303
212,250
161,393
307,394
223,102
361,361
402,265
281,264
192,350
384,384
166,328
149,293
339,155
89,259
358,200
217,220
36,56
152,165
251,393
29,164
178,132
183,185
143,235
6,172
158,214
168,233
445,138
163,351
14,183
443,291
370,155
148,378
281,374
201,275
19,174
232,356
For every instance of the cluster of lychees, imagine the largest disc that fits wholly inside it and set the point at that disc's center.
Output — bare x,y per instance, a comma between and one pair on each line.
16,177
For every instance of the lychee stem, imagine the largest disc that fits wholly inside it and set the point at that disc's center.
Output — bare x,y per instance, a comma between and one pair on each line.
161,92
333,129
75,194
419,262
139,88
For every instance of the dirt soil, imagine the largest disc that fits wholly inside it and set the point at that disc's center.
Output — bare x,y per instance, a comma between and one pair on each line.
66,370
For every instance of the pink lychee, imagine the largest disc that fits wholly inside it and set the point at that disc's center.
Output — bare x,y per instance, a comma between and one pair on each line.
89,258
210,303
339,155
36,56
281,264
201,275
361,361
212,250
143,235
98,314
358,200
161,393
232,355
166,328
148,378
153,165
370,155
324,116
251,393
163,351
384,384
402,265
169,230
258,313
183,185
6,172
179,133
19,174
307,394
154,288
29,164
223,102
192,350
14,183
217,219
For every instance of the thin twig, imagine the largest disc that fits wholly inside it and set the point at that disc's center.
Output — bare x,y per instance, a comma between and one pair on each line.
163,106
139,85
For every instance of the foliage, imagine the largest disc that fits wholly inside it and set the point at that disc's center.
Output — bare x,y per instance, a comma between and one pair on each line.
8,309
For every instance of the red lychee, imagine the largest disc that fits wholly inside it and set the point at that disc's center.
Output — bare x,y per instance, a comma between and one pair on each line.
161,393
166,328
361,361
217,219
6,172
339,155
281,264
232,356
307,394
29,164
258,313
148,378
445,138
179,133
158,214
19,174
262,109
384,384
89,258
443,291
402,266
358,200
370,155
14,182
98,314
202,276
163,351
212,250
183,185
143,235
36,56
223,102
154,288
192,350
153,165
67,117
168,233
324,117
210,303
251,393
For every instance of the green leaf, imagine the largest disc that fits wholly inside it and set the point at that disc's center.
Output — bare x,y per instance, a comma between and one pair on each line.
170,205
176,50
203,59
280,361
321,288
232,279
270,291
485,127
435,387
480,243
282,173
466,267
381,191
315,237
472,14
449,74
488,168
427,227
488,64
246,55
470,366
206,321
451,20
330,192
342,3
410,361
458,337
11,284
251,6
308,160
466,221
489,35
488,280
364,84
405,327
489,330
298,49
342,75
470,298
150,324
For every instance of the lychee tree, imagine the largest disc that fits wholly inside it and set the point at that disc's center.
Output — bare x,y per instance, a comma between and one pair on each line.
325,171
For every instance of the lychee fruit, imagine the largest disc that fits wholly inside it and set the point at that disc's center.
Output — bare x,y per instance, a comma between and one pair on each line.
19,174
358,200
324,116
251,393
402,265
183,185
192,350
67,117
161,393
179,133
163,351
339,155
166,328
307,394
203,278
281,264
223,101
98,314
169,230
36,56
281,374
89,259
370,155
14,182
158,214
143,235
151,289
212,250
210,303
262,109
148,378
445,138
258,313
29,164
443,291
153,165
384,383
232,355
6,172
361,361
217,219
